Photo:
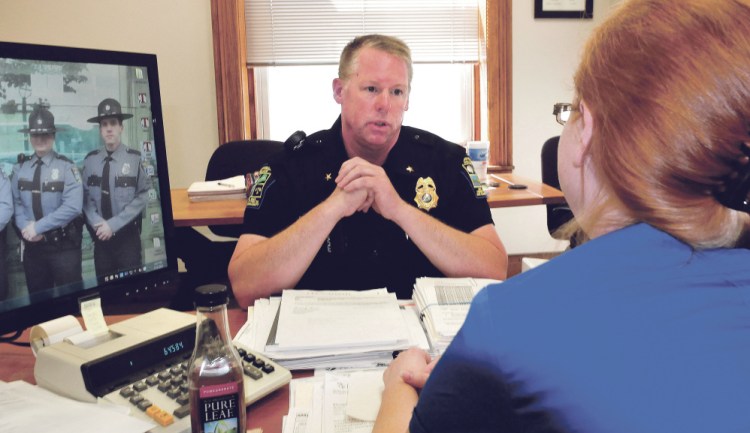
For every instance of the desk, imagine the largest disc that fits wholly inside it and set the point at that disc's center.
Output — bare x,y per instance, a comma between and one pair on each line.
18,364
187,213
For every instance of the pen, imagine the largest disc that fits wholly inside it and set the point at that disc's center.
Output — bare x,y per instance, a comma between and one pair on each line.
225,184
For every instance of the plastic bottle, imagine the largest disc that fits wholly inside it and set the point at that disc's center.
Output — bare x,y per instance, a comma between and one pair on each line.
217,397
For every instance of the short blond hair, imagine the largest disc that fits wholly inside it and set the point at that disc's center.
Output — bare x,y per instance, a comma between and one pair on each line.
389,44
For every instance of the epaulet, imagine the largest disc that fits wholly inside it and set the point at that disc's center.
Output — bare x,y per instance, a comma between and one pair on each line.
318,138
92,153
133,151
22,157
64,158
295,141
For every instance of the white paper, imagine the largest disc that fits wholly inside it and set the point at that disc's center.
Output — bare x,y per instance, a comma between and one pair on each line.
365,393
443,304
224,186
296,421
315,319
315,421
93,317
334,411
255,332
28,408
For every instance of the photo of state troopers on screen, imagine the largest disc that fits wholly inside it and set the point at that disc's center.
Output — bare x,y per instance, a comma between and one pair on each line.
79,199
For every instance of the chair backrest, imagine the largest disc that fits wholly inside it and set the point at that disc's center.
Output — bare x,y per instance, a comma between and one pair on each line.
239,157
557,214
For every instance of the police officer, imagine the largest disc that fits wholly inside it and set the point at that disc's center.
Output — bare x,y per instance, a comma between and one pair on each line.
116,193
368,203
48,197
6,212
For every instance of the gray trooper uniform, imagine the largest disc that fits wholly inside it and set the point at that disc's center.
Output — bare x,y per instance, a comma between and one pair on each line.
56,258
128,193
6,212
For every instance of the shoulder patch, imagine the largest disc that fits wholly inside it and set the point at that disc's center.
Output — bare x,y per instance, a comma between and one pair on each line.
255,197
76,174
475,183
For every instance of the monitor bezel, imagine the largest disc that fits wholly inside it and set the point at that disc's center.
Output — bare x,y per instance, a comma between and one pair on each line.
16,320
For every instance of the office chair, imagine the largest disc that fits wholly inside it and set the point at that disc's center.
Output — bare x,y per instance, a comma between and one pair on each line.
557,214
239,157
205,260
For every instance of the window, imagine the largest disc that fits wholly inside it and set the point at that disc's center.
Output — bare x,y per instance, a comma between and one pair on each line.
236,99
291,98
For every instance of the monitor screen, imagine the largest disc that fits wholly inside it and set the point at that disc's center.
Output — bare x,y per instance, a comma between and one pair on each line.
82,154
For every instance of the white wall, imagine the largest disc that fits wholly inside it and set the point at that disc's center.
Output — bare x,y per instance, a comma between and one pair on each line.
177,31
545,54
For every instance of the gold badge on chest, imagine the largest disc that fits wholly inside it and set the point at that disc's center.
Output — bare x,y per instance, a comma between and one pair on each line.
426,197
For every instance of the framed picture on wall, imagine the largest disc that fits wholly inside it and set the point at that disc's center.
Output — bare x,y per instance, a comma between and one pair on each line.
564,9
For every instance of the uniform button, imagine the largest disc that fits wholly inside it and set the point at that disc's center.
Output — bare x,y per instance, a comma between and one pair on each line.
416,136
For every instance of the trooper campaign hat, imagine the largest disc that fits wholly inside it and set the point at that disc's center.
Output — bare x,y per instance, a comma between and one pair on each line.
41,121
109,108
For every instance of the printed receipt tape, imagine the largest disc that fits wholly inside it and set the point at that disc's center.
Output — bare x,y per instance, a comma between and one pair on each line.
54,331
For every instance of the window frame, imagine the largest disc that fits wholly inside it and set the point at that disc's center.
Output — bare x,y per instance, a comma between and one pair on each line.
235,98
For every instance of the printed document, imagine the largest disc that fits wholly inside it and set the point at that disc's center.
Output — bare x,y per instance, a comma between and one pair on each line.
312,319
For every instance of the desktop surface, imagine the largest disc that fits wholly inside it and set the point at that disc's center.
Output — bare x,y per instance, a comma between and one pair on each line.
187,213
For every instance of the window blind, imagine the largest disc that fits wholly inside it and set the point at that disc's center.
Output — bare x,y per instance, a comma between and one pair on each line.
313,32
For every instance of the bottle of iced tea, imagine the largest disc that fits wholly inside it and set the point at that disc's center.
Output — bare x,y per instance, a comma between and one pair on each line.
217,397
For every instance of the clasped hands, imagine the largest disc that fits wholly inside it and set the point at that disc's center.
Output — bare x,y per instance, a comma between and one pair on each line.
29,233
362,185
412,366
103,231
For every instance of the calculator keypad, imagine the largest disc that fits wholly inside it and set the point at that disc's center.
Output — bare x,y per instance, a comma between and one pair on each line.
172,384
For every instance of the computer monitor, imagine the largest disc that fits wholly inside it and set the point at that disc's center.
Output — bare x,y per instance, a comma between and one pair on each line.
71,83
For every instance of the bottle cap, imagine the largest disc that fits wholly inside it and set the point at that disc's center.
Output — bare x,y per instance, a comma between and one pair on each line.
211,295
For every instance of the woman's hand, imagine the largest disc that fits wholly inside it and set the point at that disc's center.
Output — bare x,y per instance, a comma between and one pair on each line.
412,367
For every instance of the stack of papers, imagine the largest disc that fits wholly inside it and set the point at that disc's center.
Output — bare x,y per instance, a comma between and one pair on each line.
225,189
443,304
306,329
334,401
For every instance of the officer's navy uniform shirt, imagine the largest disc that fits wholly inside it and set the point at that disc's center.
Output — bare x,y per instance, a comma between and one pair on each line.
632,332
6,201
366,251
129,186
62,192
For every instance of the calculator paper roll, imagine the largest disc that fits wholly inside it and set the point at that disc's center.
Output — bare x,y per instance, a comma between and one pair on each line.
54,331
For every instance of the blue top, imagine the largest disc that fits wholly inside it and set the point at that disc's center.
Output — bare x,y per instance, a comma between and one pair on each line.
631,332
